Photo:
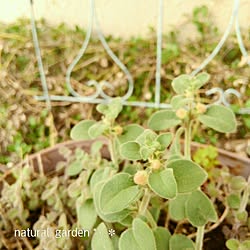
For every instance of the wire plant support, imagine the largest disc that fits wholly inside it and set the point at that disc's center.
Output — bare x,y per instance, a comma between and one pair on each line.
101,97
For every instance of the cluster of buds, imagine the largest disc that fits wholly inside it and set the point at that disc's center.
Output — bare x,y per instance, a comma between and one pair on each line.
200,109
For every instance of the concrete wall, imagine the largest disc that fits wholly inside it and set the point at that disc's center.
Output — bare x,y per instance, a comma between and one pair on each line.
124,17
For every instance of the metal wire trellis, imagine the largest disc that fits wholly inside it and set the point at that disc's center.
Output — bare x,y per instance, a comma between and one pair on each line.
100,96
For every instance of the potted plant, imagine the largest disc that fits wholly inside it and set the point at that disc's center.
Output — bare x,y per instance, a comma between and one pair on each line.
132,187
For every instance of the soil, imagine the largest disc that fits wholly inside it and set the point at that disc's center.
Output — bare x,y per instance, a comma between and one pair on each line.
215,240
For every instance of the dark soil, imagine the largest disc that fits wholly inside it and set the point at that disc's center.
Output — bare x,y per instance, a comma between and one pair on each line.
215,240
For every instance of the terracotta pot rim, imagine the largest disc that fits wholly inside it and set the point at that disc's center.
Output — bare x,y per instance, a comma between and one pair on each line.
239,164
193,144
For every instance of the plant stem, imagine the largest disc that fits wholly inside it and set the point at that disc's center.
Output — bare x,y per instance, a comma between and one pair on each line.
113,152
151,219
187,146
144,202
199,237
244,199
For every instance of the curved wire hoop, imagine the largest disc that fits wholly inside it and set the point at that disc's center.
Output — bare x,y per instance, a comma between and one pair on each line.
93,21
100,96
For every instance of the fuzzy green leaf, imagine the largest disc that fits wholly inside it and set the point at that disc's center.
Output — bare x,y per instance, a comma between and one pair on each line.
86,214
242,216
199,209
101,239
96,148
238,183
189,175
181,242
130,169
112,217
162,237
147,137
139,237
118,193
80,130
200,80
219,118
163,183
102,108
127,241
74,168
163,119
127,222
177,207
175,148
179,101
97,129
111,110
146,152
143,235
233,244
233,201
246,244
100,175
130,133
130,151
181,83
164,139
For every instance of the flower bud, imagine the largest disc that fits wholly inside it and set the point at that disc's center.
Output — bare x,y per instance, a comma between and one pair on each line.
155,164
181,113
201,108
118,130
141,178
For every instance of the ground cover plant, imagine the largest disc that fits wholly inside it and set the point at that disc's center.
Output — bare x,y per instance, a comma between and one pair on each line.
25,131
149,194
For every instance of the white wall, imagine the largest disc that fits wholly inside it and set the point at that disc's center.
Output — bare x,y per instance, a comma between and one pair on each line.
124,17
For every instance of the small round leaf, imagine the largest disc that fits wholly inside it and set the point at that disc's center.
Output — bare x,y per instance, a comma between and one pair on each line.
163,183
101,239
177,207
180,242
199,209
189,175
131,151
118,193
163,119
80,130
219,118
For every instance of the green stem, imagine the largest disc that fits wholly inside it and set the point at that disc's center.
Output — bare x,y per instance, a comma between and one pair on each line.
244,199
151,219
188,137
113,152
199,238
144,203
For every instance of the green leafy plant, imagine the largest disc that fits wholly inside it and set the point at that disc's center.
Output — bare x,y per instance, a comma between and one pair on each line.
148,175
162,170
